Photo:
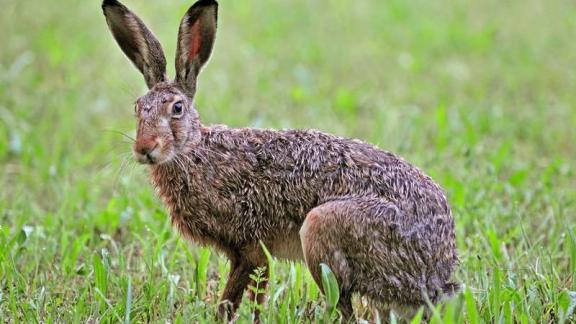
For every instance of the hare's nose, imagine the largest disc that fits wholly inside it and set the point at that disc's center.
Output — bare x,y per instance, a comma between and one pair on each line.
145,146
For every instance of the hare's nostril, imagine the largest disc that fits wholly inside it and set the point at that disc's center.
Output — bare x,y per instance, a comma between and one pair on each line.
147,147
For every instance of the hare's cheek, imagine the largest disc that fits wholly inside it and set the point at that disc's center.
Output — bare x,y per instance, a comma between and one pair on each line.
174,133
178,132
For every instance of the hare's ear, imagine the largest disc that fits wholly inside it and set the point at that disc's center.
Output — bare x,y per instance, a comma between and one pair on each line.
137,41
195,41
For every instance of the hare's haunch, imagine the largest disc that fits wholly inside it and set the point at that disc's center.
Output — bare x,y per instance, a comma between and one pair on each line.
382,226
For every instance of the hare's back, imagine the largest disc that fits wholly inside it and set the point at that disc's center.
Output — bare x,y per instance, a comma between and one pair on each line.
333,166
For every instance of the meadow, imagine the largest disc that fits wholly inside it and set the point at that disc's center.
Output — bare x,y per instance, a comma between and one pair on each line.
480,95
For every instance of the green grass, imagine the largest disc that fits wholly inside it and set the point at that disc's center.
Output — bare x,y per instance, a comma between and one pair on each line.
480,95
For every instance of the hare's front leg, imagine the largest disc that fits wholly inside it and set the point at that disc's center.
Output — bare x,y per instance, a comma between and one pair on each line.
238,281
344,234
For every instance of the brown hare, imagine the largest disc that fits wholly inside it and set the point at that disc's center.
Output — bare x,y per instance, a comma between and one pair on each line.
382,226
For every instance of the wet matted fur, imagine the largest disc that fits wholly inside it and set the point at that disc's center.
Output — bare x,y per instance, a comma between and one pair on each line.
382,226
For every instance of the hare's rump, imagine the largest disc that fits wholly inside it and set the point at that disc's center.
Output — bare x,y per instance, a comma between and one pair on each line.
372,253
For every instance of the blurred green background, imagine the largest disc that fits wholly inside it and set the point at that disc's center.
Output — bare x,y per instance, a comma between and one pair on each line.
479,94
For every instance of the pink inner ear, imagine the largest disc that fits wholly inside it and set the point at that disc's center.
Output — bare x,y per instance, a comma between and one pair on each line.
195,40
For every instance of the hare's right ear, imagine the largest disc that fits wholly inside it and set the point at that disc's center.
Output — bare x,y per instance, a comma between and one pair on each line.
136,41
195,41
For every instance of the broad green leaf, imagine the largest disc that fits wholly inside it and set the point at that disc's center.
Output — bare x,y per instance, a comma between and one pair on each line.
330,286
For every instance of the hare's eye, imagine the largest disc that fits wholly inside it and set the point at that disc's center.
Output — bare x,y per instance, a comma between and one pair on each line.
177,108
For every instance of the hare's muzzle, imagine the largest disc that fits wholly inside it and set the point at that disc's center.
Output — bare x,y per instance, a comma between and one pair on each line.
147,150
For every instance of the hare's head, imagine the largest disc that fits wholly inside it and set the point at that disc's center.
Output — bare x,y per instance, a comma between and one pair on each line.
168,123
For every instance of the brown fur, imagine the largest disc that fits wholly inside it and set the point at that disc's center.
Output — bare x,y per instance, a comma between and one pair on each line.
384,228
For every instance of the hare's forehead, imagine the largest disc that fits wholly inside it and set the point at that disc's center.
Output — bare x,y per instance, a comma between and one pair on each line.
157,98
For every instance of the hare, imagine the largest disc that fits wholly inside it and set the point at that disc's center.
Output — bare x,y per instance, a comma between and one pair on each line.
383,227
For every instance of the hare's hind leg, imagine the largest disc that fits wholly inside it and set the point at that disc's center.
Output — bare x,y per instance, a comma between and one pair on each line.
344,234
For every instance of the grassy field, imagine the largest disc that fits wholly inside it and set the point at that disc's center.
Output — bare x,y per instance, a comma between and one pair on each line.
481,95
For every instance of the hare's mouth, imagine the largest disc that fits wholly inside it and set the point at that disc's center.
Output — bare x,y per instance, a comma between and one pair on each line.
146,158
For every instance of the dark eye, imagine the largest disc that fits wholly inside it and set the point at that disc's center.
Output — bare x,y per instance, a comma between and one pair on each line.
177,108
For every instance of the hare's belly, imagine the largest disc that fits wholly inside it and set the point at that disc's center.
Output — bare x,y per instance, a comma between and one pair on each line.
287,246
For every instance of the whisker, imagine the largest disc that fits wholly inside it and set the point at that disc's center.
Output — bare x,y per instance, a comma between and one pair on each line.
121,133
123,164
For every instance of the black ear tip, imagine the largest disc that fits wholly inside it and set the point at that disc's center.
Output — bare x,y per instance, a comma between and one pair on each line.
110,3
205,3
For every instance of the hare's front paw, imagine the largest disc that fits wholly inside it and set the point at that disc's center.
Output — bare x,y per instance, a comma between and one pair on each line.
226,312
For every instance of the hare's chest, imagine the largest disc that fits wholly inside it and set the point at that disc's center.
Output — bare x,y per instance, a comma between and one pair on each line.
287,245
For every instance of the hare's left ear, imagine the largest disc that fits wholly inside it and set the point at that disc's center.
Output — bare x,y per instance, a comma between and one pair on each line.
195,41
136,41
